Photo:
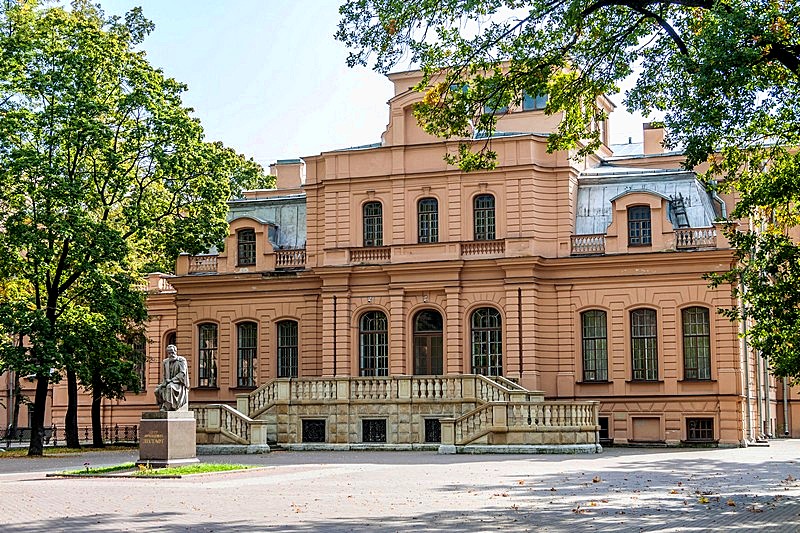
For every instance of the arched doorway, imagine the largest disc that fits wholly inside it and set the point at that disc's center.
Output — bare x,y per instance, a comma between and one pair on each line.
428,343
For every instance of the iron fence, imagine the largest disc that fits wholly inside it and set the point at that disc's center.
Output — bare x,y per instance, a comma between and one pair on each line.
55,436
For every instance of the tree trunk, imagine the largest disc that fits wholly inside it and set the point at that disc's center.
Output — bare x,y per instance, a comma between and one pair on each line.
97,421
71,420
36,446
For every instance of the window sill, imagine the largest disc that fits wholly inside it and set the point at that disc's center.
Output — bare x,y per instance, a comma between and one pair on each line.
205,388
700,442
644,381
241,388
594,382
697,381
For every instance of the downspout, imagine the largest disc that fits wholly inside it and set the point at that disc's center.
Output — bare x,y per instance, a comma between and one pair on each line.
785,408
759,397
746,350
765,364
519,317
334,335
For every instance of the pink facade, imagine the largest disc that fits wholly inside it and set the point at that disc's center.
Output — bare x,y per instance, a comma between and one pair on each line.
578,278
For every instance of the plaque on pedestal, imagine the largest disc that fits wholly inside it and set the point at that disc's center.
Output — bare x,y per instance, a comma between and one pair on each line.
167,438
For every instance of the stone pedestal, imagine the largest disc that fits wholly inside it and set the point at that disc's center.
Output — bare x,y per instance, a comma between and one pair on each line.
167,438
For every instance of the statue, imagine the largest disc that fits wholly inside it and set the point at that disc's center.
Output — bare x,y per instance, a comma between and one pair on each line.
173,393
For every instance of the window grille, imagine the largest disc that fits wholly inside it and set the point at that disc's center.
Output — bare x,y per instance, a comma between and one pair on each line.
644,345
247,335
639,233
373,343
428,220
207,369
696,343
247,247
483,212
700,429
595,346
287,349
373,224
487,342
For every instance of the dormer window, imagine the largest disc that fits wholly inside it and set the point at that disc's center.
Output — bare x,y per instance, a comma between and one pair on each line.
533,102
246,247
639,232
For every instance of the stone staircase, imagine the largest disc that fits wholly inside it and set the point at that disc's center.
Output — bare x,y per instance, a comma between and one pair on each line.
467,409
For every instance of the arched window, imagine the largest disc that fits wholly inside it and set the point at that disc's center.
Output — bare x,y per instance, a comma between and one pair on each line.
246,247
696,343
639,233
484,219
207,367
487,342
246,352
373,344
428,347
595,345
644,345
428,220
287,349
373,224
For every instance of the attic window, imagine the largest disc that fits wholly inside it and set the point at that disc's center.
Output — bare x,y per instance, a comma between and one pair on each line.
246,244
639,231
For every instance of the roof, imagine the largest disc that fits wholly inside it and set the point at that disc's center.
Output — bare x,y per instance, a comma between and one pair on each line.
598,187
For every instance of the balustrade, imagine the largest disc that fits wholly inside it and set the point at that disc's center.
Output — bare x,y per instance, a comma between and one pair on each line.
495,247
686,238
588,244
199,264
295,258
380,254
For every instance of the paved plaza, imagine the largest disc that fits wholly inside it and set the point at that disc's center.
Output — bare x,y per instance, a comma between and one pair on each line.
622,489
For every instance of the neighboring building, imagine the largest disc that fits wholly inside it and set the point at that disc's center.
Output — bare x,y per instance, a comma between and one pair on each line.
375,282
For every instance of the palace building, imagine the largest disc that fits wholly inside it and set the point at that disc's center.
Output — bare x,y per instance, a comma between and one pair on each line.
379,295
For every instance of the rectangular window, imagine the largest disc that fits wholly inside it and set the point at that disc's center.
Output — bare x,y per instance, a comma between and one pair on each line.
639,231
603,434
373,430
247,334
700,429
246,247
207,369
644,345
433,430
313,430
533,103
595,346
696,343
428,220
140,354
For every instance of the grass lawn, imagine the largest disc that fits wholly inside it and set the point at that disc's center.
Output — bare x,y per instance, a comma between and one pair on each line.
143,471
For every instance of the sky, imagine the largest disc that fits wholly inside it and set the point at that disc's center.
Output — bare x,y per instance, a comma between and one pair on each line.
267,78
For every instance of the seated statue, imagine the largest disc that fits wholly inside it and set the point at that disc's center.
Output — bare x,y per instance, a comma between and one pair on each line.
173,393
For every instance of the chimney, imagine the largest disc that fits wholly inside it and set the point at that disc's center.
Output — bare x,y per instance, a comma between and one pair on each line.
653,139
289,173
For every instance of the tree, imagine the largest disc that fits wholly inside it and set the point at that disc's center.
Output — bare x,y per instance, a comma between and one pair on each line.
724,72
102,171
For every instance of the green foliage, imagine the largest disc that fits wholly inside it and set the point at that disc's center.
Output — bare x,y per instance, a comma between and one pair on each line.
185,470
104,175
724,72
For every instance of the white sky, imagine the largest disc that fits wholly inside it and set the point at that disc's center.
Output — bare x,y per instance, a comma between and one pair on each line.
267,78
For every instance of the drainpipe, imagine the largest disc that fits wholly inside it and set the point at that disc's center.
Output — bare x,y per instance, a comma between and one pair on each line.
334,335
785,408
519,317
759,396
767,415
746,351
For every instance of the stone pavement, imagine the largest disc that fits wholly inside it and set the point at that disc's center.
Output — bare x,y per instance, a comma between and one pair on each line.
622,489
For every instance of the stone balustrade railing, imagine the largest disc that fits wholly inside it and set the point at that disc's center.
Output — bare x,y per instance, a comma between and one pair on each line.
687,238
236,426
199,264
495,247
565,418
470,388
294,258
380,254
588,244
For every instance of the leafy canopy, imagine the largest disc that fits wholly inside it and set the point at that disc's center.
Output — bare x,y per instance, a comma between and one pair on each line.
724,72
